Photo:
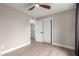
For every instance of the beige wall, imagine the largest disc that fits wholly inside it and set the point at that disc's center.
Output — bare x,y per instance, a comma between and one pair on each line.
64,28
14,28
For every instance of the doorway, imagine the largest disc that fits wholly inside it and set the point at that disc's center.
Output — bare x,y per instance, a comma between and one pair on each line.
32,33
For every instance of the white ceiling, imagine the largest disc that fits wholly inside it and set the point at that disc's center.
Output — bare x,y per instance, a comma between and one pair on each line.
40,12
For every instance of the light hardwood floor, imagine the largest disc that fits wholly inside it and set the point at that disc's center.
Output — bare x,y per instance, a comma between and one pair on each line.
41,49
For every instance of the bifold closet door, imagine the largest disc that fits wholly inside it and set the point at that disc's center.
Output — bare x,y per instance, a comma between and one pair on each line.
39,31
47,30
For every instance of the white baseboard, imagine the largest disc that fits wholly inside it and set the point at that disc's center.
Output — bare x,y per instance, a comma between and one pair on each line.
65,46
15,48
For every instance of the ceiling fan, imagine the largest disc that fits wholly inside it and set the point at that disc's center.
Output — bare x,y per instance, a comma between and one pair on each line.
39,5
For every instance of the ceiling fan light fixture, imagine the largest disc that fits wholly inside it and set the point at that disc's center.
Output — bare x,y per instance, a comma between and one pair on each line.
37,5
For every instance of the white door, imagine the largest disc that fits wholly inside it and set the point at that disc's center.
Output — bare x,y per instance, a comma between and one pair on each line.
47,30
38,31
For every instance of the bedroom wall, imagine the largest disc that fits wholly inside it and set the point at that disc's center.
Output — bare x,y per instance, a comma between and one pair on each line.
14,28
64,29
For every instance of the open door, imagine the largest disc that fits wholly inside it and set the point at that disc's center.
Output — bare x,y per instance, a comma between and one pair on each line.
77,30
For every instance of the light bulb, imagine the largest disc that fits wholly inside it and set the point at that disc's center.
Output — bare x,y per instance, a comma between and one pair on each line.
36,5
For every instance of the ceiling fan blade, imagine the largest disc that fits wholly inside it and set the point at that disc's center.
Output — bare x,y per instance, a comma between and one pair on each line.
45,6
31,8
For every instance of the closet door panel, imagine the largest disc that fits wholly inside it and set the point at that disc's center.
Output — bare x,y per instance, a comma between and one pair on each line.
38,31
47,30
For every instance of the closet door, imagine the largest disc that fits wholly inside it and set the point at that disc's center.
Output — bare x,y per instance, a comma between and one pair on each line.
39,31
47,30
